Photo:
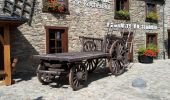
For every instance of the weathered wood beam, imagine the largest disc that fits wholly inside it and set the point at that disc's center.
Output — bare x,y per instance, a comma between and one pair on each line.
7,62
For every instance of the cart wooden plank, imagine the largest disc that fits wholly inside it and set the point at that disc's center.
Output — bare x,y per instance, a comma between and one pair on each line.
72,57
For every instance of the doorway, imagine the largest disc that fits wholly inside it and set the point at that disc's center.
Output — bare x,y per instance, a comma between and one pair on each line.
129,44
57,39
168,44
1,53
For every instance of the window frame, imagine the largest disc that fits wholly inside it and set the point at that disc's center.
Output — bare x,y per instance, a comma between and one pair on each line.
64,37
146,10
156,40
126,6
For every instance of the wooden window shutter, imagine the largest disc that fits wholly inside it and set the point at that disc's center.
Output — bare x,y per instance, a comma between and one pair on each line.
126,4
147,39
67,5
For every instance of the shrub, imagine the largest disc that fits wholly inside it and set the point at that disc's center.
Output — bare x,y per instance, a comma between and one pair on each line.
152,16
141,50
123,14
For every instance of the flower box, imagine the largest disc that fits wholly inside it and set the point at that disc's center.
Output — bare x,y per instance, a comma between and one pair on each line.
152,17
55,6
145,59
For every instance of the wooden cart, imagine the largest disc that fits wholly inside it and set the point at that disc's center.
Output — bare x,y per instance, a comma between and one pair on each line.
95,52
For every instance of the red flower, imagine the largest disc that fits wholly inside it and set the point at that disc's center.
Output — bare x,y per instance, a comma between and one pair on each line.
55,6
150,53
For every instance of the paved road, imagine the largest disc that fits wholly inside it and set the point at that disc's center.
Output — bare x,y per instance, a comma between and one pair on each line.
101,86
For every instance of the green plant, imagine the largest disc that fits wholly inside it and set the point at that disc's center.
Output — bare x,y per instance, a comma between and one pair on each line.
141,50
123,14
152,16
152,47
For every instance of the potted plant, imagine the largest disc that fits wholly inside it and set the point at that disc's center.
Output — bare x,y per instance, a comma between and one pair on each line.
152,17
122,14
146,55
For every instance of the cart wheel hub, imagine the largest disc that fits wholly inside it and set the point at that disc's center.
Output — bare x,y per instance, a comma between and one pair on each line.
119,57
80,75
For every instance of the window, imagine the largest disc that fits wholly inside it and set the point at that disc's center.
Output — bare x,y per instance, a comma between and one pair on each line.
150,6
122,9
122,5
56,6
151,14
151,38
57,40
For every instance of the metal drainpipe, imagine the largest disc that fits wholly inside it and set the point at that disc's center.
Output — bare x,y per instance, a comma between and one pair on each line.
163,30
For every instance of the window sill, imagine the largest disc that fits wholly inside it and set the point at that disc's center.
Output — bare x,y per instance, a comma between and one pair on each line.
151,20
118,17
52,12
66,12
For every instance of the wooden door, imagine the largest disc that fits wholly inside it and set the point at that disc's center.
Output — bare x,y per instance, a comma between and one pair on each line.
130,45
57,39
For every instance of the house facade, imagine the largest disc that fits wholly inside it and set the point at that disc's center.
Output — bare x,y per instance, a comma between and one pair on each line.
56,30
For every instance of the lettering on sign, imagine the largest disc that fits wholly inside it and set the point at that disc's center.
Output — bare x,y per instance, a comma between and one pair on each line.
116,26
101,4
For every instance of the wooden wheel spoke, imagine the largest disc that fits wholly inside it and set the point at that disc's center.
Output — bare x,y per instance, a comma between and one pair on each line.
116,67
77,84
100,63
121,50
91,64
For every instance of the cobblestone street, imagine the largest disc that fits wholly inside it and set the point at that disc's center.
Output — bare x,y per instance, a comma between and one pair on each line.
101,86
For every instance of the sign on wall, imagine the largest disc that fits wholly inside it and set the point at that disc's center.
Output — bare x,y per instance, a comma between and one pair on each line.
116,26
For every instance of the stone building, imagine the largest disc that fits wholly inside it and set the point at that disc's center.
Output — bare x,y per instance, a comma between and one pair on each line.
88,18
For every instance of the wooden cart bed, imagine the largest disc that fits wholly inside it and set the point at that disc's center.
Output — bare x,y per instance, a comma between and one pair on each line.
72,57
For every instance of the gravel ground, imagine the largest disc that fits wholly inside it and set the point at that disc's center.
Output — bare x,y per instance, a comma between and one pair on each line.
101,85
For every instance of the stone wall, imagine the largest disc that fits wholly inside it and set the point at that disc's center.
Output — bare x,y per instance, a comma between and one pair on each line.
82,21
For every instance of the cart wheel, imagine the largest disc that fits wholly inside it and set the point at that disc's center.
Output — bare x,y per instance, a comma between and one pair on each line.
116,67
77,76
118,58
92,64
43,78
89,46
